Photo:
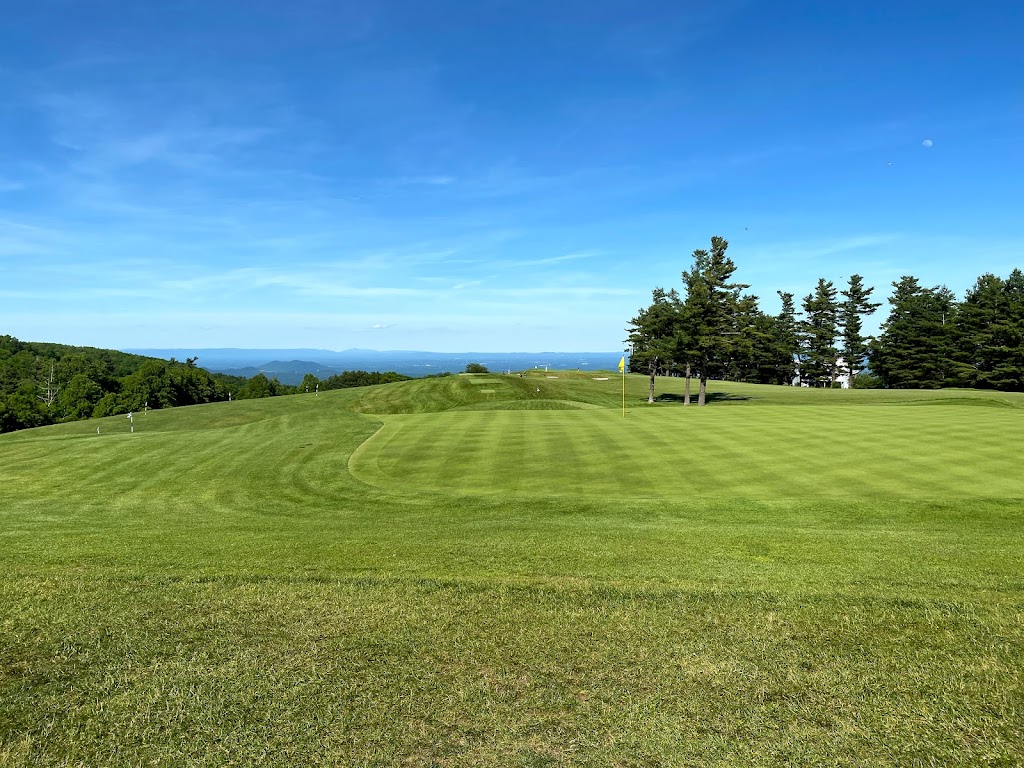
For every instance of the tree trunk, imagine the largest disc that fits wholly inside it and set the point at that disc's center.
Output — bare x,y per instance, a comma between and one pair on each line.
49,389
650,395
686,396
703,389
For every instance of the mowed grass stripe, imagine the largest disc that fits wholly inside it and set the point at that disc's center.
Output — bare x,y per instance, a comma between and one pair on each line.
793,453
254,603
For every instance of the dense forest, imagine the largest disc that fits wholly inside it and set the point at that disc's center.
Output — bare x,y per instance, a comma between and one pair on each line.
712,329
47,383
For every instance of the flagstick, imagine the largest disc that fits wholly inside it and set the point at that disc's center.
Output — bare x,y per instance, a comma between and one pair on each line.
623,393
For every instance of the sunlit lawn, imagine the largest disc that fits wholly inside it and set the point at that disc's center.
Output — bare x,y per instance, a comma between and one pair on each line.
529,579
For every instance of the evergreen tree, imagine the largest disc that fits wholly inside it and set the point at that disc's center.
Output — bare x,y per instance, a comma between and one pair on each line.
913,349
787,339
752,341
711,312
765,362
989,334
852,311
818,334
653,336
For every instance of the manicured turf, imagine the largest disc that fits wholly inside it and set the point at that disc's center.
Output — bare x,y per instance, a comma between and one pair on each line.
807,453
519,578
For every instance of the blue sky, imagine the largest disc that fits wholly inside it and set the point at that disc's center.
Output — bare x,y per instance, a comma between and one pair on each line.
487,175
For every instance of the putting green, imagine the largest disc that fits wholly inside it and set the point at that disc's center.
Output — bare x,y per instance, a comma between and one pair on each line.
811,452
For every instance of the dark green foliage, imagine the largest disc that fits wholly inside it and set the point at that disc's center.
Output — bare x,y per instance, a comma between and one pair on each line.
43,384
711,313
228,383
787,339
989,334
866,381
22,409
654,337
818,335
191,385
928,340
851,314
259,386
79,397
766,346
915,346
347,379
476,368
47,383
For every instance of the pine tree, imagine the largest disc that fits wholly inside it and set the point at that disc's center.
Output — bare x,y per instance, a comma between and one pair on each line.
754,365
752,339
851,311
788,339
913,350
989,334
653,336
711,310
818,332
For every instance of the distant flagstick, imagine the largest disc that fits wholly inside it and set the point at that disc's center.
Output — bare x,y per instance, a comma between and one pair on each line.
622,370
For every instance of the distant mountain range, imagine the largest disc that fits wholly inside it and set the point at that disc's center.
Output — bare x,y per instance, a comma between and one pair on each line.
287,372
289,365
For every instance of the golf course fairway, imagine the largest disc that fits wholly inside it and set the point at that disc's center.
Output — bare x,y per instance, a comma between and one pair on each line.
515,571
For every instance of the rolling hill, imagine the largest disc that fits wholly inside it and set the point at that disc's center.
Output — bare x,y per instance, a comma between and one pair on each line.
505,570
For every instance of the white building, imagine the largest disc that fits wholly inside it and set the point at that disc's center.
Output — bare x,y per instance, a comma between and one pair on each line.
840,377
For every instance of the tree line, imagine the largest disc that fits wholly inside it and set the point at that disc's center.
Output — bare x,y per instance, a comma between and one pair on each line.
42,383
713,329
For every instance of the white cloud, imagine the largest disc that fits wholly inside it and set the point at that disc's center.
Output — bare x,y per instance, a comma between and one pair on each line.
772,254
519,263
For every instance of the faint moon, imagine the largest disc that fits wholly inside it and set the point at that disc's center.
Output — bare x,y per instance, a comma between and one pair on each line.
927,143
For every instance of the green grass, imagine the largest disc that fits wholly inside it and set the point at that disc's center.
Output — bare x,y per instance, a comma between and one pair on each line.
426,574
815,452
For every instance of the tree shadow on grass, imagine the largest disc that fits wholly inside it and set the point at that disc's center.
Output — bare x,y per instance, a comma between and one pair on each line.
710,397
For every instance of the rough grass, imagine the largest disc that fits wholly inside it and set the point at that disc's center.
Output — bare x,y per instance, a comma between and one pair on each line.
742,585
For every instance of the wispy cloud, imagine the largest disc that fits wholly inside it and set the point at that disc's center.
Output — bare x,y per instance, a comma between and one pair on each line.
771,255
18,239
416,181
508,166
550,260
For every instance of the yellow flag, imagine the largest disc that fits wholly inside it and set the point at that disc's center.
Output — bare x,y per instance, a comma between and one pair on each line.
622,364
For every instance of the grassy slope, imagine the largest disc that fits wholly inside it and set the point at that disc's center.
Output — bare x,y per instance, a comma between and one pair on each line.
218,587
